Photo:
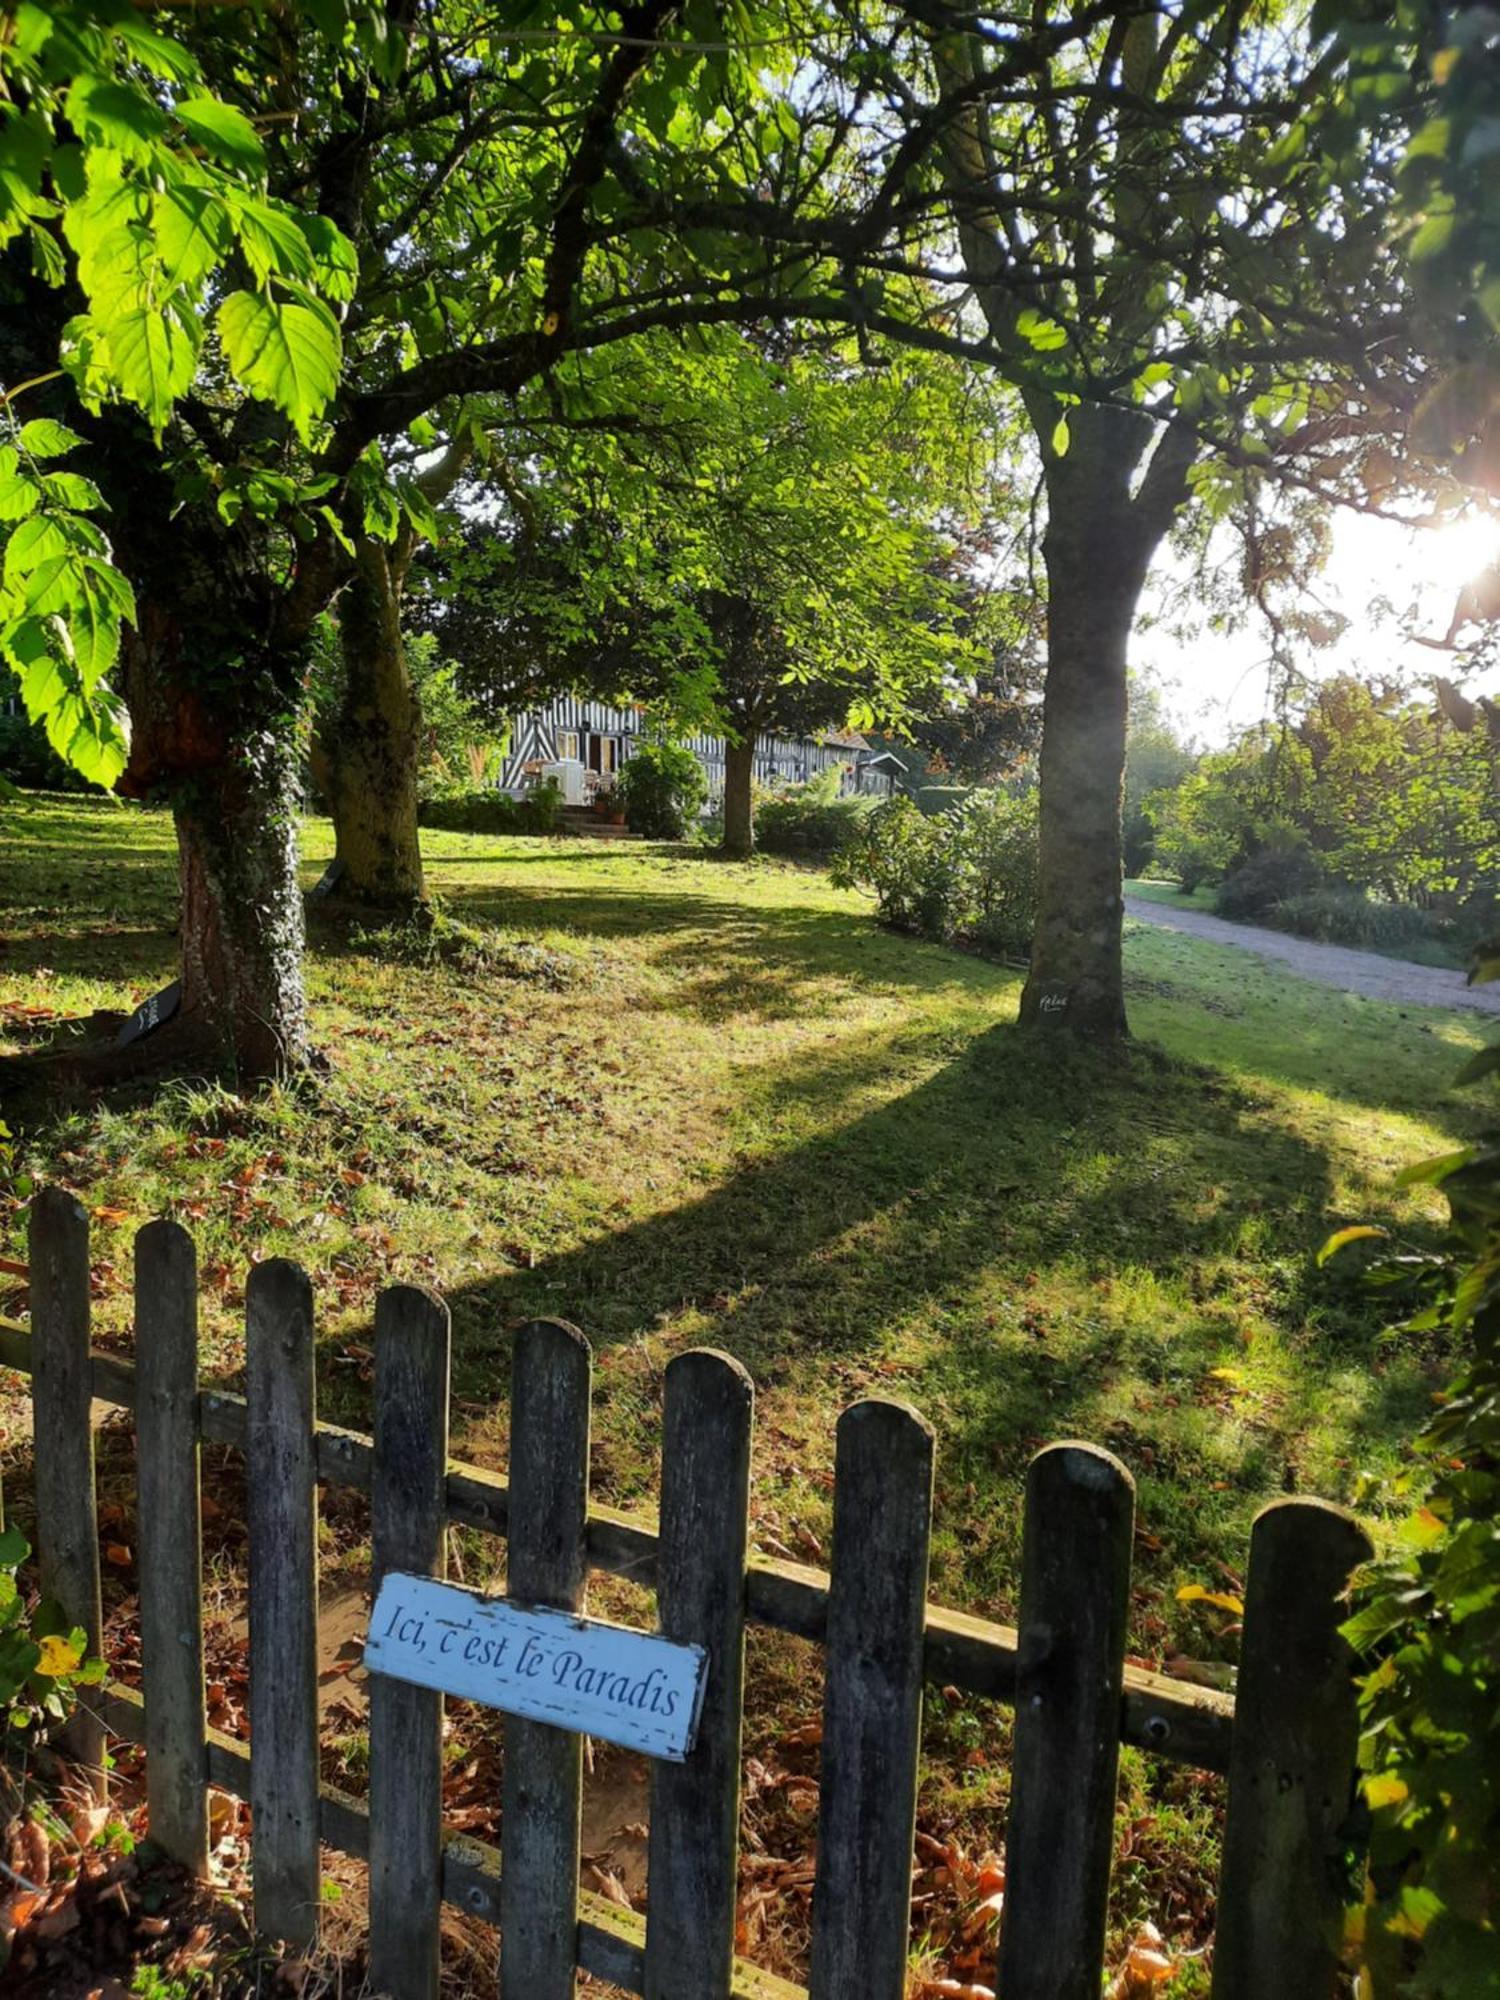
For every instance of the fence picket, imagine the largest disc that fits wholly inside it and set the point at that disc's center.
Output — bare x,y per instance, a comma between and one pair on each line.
872,1708
547,1563
169,1531
282,1519
410,1522
694,1843
67,1515
1292,1766
1075,1602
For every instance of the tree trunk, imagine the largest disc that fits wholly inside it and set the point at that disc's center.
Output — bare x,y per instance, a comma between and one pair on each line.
1099,543
242,934
739,816
368,753
213,731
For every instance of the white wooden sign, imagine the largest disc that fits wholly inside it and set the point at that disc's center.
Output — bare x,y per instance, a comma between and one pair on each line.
582,1674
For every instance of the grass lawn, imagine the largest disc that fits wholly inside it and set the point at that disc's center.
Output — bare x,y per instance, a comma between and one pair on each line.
721,1106
1201,898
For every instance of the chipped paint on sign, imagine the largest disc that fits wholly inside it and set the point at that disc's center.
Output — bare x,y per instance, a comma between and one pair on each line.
626,1687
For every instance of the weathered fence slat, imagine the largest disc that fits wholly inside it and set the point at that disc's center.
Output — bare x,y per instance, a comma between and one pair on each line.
694,1843
547,1563
282,1522
410,1521
872,1709
1292,1769
67,1516
1075,1603
169,1532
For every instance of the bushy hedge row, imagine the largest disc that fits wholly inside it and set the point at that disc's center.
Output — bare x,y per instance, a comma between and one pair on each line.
968,874
495,812
662,789
809,819
1346,916
1287,887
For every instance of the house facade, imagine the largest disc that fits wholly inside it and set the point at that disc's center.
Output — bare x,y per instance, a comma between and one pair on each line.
601,738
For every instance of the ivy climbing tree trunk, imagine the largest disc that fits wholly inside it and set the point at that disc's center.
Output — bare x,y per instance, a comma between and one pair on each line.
231,777
242,934
369,749
214,676
739,815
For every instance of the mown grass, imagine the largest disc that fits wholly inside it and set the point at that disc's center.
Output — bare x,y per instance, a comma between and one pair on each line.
1153,891
722,1106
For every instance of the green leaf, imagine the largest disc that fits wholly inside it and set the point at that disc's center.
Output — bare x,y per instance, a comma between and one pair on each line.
1480,1065
335,259
1042,332
1432,238
1061,438
1430,1173
154,359
35,542
272,241
45,438
87,734
106,112
71,489
1359,1232
288,354
14,1548
420,510
19,494
192,234
223,133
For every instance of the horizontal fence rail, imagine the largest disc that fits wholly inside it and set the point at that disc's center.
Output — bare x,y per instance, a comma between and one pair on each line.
1173,1718
1286,1743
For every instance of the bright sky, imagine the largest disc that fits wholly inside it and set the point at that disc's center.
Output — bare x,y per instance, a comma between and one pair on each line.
1218,684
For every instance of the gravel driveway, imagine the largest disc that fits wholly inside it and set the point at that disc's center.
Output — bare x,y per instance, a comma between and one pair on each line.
1332,964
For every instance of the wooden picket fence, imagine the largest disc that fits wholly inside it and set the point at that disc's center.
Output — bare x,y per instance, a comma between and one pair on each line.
1286,1744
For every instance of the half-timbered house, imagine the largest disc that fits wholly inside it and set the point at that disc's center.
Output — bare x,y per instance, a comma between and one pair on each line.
600,738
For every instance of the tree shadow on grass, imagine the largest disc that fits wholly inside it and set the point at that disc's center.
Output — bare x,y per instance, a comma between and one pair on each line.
928,1219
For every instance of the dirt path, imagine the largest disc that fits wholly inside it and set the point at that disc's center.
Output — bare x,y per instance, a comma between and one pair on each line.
1363,972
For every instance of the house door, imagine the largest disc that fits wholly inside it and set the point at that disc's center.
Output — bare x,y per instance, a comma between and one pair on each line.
604,755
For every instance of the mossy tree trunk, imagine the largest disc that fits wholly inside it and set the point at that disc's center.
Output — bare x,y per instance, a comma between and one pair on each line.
242,932
367,755
368,751
222,750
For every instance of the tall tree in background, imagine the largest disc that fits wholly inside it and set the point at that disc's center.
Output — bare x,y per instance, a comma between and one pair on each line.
753,542
1140,237
1171,246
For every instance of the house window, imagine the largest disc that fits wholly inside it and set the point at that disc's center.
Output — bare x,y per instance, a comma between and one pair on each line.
604,755
567,746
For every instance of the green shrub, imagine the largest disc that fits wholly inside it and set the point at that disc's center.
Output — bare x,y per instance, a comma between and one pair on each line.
662,789
496,812
994,835
43,1659
1279,871
1349,916
891,855
968,874
811,818
1427,1621
941,798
